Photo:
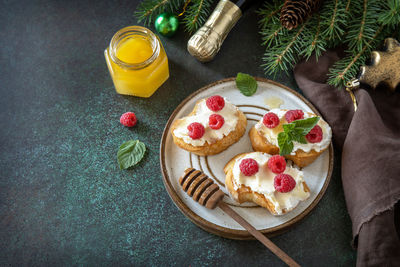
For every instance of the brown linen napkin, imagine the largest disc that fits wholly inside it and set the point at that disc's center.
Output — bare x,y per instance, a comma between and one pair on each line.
370,143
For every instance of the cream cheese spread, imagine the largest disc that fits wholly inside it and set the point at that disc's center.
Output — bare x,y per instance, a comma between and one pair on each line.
263,183
230,113
272,134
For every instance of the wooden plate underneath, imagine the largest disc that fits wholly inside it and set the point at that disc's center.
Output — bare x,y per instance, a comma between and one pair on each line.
174,161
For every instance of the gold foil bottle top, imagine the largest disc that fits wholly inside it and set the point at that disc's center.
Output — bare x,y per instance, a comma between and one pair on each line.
206,42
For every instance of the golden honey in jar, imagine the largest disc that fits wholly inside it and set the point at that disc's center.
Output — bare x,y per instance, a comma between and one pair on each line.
137,61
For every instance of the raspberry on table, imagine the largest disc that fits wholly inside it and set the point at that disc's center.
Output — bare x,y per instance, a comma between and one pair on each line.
277,164
128,119
196,130
271,120
248,167
215,103
315,135
284,183
293,115
216,121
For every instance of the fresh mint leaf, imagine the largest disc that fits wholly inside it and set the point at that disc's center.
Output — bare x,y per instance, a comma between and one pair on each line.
288,127
305,125
285,145
298,131
295,131
246,84
130,153
299,138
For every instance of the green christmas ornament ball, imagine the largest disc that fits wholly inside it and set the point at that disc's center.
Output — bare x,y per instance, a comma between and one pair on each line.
166,24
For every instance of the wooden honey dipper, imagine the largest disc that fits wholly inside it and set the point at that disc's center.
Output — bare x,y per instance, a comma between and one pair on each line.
204,191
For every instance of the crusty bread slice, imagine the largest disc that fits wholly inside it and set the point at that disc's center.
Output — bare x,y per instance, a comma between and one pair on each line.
301,158
218,146
245,194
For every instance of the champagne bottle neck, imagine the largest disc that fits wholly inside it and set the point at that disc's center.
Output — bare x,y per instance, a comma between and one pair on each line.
207,41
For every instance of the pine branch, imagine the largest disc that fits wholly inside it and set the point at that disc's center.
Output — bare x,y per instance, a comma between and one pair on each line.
312,36
149,9
197,14
270,13
285,56
347,68
273,35
271,28
348,5
363,25
391,14
333,19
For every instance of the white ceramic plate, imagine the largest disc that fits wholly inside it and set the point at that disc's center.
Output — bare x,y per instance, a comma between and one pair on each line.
175,160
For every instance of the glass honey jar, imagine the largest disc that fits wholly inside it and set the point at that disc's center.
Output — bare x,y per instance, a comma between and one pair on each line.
137,61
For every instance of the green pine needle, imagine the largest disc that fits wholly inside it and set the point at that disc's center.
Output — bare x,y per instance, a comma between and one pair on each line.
391,14
286,55
196,14
333,18
362,26
271,28
270,14
348,5
344,70
314,43
348,67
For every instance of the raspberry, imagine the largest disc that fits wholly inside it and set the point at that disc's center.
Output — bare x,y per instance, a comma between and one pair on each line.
277,164
315,135
271,120
216,121
293,115
248,167
284,183
196,130
215,103
128,119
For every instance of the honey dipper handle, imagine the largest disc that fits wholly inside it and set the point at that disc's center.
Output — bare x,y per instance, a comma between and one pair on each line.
257,234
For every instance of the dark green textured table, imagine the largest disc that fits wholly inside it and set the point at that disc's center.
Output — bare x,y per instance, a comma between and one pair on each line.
63,199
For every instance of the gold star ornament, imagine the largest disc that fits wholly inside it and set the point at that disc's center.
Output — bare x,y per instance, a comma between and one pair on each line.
385,66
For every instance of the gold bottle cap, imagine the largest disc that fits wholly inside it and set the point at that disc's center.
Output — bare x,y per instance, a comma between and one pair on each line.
206,42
